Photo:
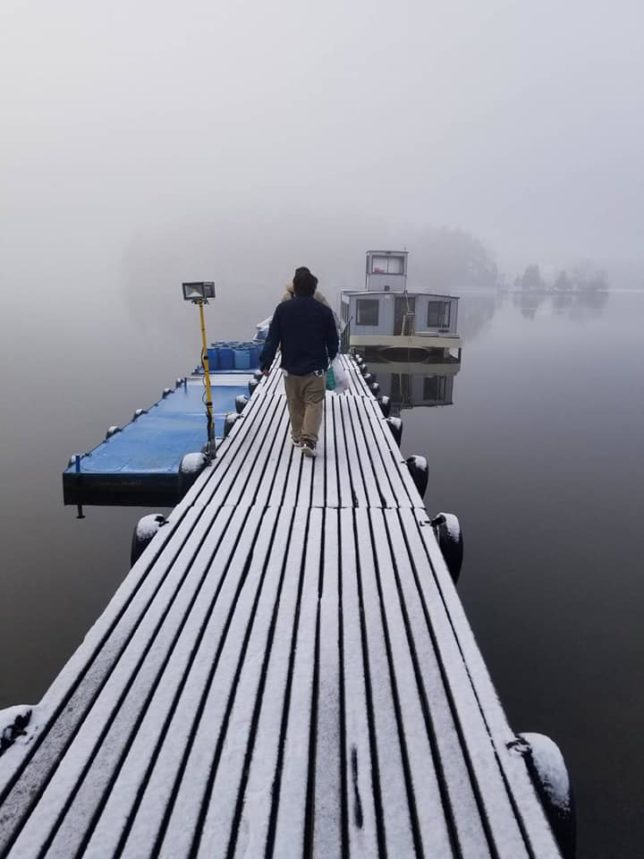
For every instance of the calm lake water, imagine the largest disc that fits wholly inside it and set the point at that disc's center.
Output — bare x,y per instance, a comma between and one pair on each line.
539,454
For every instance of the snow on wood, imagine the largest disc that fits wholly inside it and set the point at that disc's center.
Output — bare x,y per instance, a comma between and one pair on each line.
147,526
192,463
329,800
286,666
551,768
14,723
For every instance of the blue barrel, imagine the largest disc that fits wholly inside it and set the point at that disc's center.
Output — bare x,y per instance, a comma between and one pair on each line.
213,358
256,351
242,359
226,358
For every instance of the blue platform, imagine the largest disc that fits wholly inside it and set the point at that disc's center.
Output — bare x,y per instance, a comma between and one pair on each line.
140,463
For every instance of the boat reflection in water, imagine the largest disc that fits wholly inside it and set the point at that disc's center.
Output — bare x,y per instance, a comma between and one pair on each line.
410,384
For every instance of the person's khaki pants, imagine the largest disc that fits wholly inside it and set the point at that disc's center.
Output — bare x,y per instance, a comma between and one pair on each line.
305,398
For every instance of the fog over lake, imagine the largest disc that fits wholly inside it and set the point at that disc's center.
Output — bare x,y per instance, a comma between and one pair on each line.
147,144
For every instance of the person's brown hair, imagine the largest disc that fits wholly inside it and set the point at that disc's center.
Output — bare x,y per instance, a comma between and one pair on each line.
304,283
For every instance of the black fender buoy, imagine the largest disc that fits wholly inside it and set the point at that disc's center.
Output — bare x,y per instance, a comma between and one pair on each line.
396,427
229,422
138,413
191,465
375,388
112,431
252,385
181,382
363,368
385,406
550,777
144,532
450,541
258,375
166,392
14,725
369,378
419,471
240,403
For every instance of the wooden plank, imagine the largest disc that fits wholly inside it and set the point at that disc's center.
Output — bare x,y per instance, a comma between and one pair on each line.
369,455
422,766
331,487
493,798
526,803
318,496
262,463
222,732
452,777
248,445
272,807
365,831
345,494
363,490
134,674
174,785
26,769
270,491
398,802
394,464
120,801
327,782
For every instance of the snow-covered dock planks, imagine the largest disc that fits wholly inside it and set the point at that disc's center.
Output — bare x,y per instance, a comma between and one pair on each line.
286,671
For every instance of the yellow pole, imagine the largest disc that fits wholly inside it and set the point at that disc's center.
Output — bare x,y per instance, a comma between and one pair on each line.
206,369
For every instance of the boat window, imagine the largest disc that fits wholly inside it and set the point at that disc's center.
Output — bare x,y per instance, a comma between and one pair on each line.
435,388
438,313
387,265
344,311
367,311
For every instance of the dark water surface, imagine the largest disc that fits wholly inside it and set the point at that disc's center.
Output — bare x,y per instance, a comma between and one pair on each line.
540,455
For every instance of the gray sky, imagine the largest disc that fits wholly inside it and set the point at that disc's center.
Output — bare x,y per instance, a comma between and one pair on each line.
246,137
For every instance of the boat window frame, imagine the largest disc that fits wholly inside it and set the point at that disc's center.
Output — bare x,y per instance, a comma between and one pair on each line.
387,258
446,314
369,301
439,386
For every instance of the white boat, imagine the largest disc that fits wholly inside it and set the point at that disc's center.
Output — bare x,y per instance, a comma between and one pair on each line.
386,316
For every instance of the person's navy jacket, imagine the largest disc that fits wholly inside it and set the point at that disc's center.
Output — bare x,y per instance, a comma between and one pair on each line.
305,331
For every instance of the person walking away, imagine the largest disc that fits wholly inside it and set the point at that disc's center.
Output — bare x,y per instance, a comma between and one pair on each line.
304,329
289,293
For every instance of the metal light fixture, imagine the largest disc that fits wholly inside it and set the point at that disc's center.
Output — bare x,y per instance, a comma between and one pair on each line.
198,291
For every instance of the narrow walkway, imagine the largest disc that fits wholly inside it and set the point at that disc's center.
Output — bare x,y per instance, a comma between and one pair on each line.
286,671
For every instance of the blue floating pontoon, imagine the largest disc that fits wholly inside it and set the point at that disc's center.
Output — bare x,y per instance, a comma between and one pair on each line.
141,463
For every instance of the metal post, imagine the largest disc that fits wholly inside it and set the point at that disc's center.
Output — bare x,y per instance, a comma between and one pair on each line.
206,367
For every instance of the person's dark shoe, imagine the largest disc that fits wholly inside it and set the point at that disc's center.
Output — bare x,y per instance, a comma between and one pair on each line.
308,447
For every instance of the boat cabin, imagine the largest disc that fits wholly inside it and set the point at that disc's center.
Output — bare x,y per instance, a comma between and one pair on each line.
386,315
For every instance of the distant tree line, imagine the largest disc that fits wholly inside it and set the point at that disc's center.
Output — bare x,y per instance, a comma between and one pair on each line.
449,258
583,278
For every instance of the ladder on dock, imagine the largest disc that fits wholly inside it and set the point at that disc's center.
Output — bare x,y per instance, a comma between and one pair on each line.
287,670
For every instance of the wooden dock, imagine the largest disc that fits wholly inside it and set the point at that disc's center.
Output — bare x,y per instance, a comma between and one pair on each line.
286,671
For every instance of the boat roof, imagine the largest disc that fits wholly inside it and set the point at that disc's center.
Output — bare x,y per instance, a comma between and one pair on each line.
411,293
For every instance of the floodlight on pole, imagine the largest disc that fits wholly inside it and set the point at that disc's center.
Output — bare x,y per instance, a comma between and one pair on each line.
199,293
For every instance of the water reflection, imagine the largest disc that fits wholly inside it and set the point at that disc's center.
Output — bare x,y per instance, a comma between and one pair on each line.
410,384
574,304
476,311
